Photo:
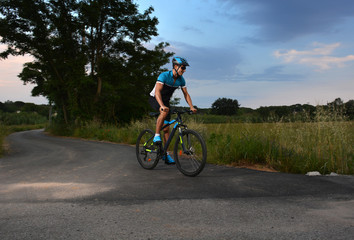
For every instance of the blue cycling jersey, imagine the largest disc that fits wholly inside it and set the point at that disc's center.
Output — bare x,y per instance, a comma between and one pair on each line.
169,85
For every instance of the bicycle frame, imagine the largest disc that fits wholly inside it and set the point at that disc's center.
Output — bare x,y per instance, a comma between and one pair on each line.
178,124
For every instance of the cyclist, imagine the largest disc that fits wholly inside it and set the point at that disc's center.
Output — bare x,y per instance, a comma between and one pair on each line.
160,97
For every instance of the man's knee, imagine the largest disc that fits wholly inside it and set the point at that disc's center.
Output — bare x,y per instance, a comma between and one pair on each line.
164,114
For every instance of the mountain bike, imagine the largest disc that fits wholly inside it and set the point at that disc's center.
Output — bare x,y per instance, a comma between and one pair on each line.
190,152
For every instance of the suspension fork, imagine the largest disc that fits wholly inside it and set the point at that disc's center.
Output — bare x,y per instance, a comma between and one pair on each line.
181,137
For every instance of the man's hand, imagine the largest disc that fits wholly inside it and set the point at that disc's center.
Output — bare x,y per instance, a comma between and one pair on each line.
194,110
164,109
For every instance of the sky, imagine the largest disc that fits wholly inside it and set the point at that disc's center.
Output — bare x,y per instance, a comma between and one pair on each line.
261,53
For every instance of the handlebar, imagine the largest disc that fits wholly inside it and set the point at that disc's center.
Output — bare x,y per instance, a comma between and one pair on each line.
176,111
173,111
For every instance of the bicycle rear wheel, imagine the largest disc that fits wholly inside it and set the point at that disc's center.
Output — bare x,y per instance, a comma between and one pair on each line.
146,150
190,153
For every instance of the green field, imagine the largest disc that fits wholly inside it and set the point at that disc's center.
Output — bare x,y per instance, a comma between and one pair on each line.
287,147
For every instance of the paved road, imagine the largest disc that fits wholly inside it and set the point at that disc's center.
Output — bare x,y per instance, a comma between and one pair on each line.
62,188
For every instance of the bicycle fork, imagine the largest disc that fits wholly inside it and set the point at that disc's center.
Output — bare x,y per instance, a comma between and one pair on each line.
187,150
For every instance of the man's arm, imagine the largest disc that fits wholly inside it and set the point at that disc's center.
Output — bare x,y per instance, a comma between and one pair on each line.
188,99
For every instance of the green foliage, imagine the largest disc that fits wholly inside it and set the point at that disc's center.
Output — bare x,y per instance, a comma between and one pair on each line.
22,118
90,59
349,109
3,133
323,144
18,106
19,113
225,106
293,113
95,130
175,101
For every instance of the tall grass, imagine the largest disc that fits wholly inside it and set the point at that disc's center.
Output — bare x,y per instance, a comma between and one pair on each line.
3,133
96,130
324,145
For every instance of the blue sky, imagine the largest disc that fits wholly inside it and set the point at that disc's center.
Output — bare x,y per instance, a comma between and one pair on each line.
262,53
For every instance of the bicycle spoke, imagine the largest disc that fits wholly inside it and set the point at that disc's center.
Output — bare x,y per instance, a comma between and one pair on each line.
145,150
193,159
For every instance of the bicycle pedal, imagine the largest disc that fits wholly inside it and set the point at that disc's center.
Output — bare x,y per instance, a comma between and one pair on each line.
169,163
158,143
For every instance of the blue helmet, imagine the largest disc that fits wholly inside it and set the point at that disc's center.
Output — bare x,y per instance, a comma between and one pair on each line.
180,61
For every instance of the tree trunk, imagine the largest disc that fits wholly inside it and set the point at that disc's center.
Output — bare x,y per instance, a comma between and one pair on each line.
65,115
99,89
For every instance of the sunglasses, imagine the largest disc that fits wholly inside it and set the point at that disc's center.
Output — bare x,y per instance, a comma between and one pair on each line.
183,67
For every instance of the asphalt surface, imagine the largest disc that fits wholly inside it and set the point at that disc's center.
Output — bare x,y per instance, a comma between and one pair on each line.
63,188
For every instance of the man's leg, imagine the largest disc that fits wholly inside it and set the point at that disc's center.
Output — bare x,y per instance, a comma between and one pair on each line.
166,134
167,158
167,117
160,122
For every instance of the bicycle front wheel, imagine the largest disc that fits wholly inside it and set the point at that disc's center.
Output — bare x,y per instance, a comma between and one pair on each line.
190,153
146,150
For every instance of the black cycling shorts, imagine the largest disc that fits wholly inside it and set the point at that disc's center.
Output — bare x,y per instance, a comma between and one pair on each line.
156,106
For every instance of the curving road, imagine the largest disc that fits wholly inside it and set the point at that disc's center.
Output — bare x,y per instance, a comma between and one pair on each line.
63,188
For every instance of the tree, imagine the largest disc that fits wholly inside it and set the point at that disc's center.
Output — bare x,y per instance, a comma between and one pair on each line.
175,101
225,106
90,57
349,109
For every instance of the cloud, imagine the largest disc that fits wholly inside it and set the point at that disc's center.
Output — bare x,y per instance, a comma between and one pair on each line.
327,62
318,57
272,74
192,29
290,55
279,20
208,62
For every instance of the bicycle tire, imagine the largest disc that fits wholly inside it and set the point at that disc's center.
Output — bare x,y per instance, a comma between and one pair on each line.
192,161
146,150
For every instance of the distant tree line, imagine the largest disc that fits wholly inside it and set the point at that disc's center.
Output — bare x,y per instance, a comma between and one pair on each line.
296,112
9,111
19,106
19,113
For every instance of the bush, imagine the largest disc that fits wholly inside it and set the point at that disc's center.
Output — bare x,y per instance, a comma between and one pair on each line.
22,118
